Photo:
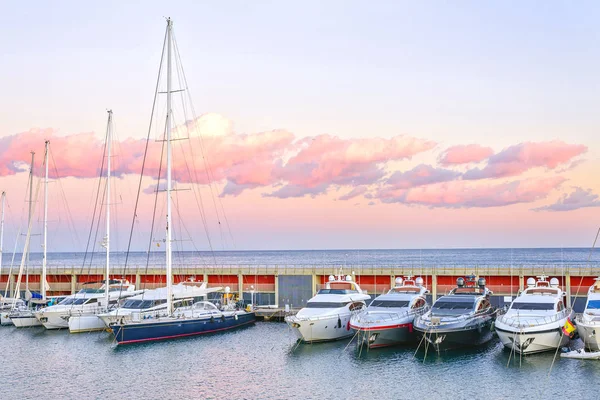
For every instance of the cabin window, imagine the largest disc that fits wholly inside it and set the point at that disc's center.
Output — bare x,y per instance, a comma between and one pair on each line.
532,306
483,305
322,304
91,301
419,303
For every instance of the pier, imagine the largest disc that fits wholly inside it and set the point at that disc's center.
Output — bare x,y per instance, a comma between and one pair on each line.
293,285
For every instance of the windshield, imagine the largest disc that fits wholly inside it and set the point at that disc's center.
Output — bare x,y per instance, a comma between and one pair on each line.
321,304
73,301
593,305
390,303
336,291
532,306
442,307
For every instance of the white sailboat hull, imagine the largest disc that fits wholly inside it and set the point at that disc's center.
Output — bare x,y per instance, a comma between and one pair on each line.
85,323
25,322
321,329
5,320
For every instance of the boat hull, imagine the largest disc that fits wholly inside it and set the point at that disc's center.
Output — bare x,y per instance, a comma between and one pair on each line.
25,321
590,335
85,323
174,328
55,320
465,336
322,329
531,342
5,319
385,336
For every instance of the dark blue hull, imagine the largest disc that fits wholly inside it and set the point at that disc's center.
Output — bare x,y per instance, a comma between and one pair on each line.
177,328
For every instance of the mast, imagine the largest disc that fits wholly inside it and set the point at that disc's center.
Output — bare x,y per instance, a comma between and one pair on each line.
29,218
107,238
169,122
2,228
43,278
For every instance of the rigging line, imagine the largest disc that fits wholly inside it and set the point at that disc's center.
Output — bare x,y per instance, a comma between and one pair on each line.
162,55
200,205
207,167
588,262
64,198
162,152
95,208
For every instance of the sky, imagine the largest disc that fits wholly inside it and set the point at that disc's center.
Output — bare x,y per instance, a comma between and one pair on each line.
314,125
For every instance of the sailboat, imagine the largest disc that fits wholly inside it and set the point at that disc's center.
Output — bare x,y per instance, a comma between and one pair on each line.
6,303
24,316
203,317
85,319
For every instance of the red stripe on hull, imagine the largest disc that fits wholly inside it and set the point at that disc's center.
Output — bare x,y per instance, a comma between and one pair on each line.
382,328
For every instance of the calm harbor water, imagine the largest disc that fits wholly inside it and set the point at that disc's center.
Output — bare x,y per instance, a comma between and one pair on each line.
351,258
263,362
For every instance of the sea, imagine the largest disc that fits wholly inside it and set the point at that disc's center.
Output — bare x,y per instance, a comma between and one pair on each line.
496,257
264,361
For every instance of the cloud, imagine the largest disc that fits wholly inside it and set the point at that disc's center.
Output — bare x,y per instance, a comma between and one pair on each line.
357,191
288,191
519,158
462,194
421,175
579,198
327,160
465,154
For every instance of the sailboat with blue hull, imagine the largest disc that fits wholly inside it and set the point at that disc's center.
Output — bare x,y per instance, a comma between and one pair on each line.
173,328
202,317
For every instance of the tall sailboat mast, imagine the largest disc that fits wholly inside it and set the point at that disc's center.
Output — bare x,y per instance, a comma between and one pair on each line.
168,127
29,218
107,238
43,278
2,228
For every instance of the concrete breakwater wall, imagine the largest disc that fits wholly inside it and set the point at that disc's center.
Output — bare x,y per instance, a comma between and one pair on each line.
295,284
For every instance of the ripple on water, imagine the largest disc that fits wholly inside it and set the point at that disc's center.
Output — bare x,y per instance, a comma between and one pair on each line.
264,362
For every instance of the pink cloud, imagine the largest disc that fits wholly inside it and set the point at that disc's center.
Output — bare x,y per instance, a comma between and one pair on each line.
357,191
519,158
461,194
579,198
465,154
421,175
329,160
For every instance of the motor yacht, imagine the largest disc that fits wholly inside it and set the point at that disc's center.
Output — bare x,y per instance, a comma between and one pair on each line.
533,323
461,318
588,323
327,315
87,300
388,320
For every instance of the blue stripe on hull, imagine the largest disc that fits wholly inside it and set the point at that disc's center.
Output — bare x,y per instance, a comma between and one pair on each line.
173,329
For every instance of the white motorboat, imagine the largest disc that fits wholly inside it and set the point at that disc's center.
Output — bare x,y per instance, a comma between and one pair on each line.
534,322
389,318
87,300
588,323
327,315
